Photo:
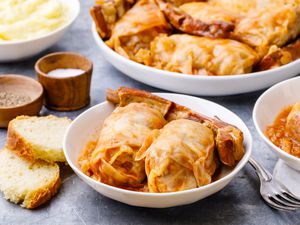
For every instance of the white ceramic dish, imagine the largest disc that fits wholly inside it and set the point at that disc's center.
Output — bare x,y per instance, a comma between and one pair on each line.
196,85
267,108
288,176
85,125
18,50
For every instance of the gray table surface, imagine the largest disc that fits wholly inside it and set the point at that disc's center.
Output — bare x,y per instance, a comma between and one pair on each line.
77,203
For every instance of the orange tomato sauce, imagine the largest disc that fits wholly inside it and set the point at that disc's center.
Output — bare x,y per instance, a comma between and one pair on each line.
84,165
280,137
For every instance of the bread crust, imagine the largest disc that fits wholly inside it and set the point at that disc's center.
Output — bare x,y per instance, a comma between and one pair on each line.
43,195
16,143
19,144
40,195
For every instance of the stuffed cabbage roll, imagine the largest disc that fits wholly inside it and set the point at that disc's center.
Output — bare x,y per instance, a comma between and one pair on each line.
229,139
106,13
235,6
199,55
132,34
268,26
178,157
247,7
293,123
181,2
292,128
122,135
209,13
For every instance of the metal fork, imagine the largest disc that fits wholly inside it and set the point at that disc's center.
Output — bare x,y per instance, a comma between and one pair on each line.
272,191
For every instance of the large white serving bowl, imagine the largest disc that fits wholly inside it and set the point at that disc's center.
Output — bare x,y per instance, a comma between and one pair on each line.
17,50
196,85
84,127
267,108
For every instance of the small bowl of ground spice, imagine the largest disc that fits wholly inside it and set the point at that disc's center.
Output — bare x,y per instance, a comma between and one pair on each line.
19,95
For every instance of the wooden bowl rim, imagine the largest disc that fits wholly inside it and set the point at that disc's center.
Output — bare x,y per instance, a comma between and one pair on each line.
40,91
41,73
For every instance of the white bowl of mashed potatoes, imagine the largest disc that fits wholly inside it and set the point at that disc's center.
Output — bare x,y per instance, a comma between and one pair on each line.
28,27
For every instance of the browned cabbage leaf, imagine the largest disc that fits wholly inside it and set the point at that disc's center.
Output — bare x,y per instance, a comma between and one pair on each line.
178,157
106,13
195,22
277,57
293,123
132,34
267,26
122,135
199,55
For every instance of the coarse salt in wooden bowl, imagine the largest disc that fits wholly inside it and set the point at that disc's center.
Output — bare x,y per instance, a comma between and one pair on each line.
65,91
19,95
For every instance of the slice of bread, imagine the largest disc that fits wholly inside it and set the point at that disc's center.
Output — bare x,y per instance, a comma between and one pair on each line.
27,183
38,137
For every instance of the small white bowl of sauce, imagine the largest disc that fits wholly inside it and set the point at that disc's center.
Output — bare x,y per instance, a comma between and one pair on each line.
267,108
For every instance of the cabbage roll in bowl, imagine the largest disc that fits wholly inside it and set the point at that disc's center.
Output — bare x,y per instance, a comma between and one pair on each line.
132,34
151,144
112,160
180,156
197,37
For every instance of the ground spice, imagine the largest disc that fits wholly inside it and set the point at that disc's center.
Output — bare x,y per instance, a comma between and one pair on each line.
8,99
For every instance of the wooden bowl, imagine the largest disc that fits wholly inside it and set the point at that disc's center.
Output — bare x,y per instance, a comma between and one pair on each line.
65,93
20,85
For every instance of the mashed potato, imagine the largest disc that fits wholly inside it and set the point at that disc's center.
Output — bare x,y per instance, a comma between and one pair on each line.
28,19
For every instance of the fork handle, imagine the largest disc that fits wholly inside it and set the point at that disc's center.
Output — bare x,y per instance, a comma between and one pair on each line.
261,172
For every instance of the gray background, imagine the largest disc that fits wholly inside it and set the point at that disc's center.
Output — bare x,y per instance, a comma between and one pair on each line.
77,203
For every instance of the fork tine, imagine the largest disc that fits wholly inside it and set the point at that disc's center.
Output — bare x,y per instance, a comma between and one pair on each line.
291,196
283,202
276,205
287,192
283,195
280,208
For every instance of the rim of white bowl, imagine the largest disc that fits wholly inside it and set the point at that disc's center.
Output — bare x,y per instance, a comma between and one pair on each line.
229,176
258,102
158,72
76,14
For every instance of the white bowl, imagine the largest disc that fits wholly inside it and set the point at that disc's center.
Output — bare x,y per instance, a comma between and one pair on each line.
196,85
85,126
18,50
267,108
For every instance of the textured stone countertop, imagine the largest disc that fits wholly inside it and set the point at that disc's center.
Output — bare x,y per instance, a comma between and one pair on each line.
77,203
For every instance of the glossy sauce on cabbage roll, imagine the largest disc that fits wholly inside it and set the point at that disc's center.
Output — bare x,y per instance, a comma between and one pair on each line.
180,156
285,131
123,132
